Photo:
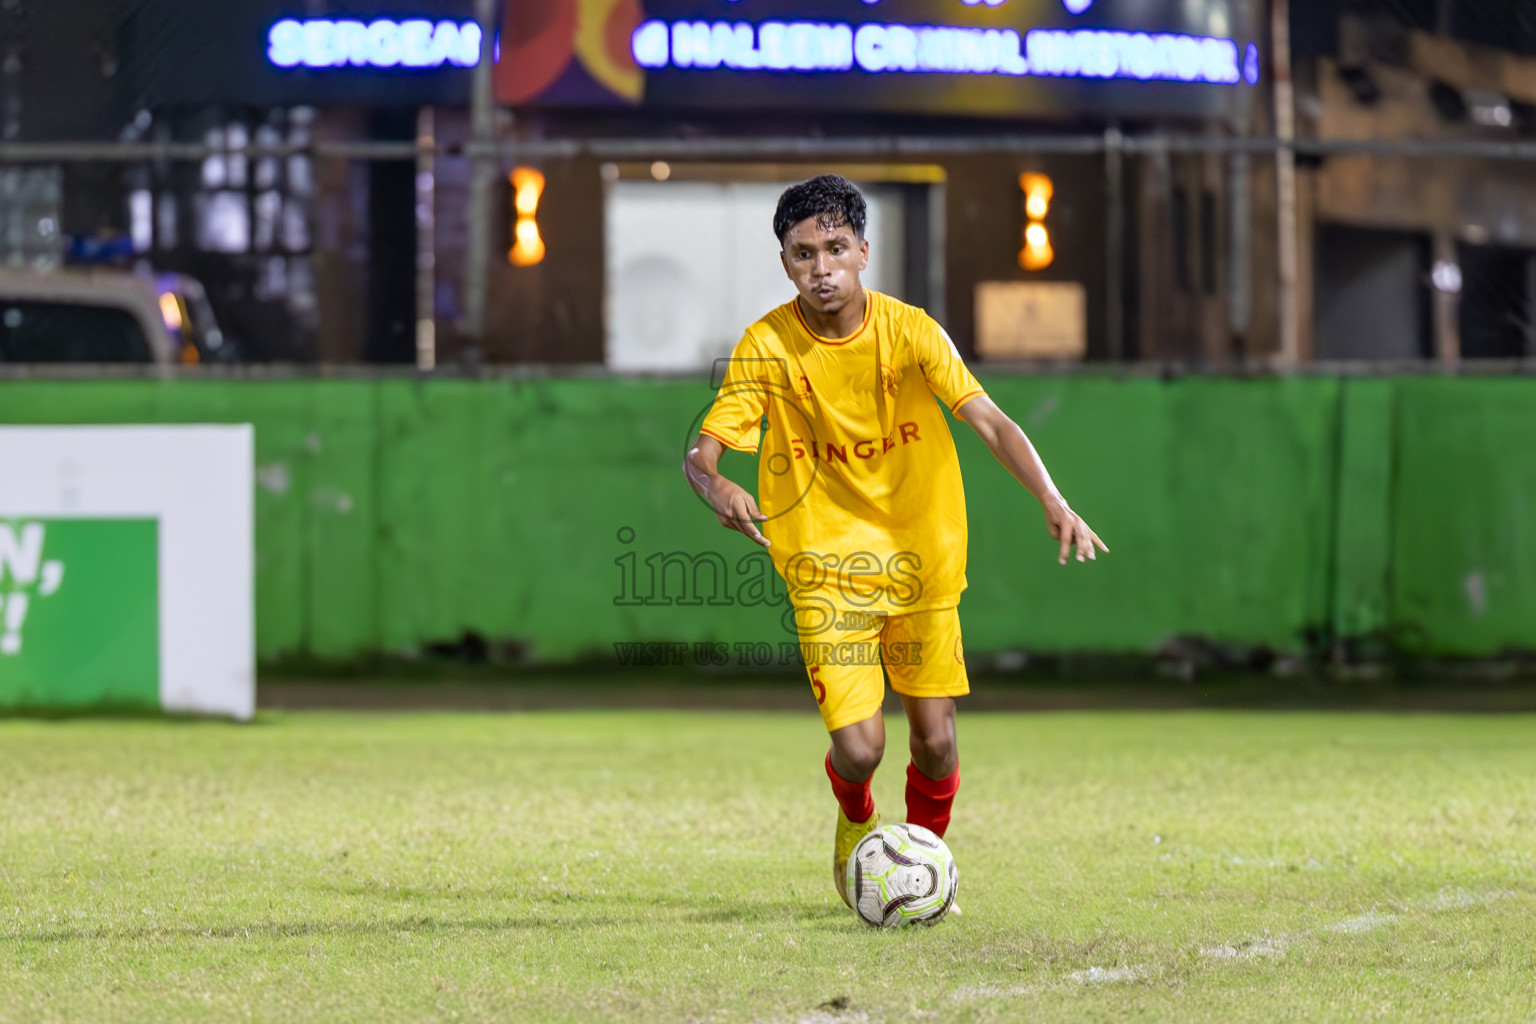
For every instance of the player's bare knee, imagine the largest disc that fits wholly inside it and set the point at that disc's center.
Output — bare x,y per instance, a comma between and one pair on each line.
856,756
866,756
933,748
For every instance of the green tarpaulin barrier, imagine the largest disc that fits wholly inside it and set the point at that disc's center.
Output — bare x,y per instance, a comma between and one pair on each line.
1261,512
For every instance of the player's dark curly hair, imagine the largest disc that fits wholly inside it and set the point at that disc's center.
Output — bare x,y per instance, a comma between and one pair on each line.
832,199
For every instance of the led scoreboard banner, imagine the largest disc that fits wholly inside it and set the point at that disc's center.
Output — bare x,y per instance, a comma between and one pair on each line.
998,58
364,53
877,48
980,57
381,43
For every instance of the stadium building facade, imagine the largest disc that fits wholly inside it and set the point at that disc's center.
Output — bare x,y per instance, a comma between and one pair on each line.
1008,149
945,112
1433,255
649,121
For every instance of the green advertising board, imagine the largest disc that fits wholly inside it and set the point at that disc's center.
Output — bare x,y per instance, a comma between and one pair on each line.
79,613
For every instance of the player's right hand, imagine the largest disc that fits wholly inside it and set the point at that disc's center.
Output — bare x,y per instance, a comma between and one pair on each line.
1070,530
737,510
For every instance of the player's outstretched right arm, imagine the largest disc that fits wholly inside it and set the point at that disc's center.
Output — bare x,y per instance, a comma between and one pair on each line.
1013,449
734,507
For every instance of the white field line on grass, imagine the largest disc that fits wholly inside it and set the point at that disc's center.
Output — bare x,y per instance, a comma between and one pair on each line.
1366,922
828,1017
1459,899
1251,948
833,1011
1107,975
994,991
1092,976
1445,899
1276,945
1264,945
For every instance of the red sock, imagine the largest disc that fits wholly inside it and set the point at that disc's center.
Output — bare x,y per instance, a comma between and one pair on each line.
853,797
929,800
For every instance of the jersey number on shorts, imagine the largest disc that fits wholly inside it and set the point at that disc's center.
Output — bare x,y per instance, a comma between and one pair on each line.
821,691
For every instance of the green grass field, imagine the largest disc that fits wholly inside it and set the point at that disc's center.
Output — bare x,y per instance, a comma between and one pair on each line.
673,866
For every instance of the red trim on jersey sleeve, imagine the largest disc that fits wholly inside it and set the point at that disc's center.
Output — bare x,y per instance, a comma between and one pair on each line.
966,398
729,444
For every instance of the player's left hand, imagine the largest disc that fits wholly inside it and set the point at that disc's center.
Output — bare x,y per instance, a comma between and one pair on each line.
1068,528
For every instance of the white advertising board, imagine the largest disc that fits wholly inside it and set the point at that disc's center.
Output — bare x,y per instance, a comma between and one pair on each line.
127,568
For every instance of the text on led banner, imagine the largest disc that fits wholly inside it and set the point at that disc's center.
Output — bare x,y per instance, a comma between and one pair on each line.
801,46
414,43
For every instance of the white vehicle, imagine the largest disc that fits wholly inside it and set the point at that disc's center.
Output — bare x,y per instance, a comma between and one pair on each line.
92,316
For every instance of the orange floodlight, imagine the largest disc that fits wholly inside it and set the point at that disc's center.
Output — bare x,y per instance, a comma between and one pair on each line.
1038,190
527,247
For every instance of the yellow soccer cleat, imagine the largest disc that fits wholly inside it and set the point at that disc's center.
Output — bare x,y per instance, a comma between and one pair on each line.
848,835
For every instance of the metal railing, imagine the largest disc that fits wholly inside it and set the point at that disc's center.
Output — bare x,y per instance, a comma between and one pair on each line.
887,146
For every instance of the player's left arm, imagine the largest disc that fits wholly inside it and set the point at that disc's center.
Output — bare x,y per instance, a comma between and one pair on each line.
954,385
1013,449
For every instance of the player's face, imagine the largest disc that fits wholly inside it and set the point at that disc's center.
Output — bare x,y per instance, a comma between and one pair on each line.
824,263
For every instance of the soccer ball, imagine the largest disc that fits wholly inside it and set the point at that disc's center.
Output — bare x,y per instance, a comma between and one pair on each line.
900,875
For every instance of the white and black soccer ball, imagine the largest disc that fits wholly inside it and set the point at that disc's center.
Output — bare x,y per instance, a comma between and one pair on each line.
900,875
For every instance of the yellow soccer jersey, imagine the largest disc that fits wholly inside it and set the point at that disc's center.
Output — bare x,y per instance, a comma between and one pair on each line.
856,467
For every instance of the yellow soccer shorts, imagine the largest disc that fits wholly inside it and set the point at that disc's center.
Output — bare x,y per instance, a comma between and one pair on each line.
848,659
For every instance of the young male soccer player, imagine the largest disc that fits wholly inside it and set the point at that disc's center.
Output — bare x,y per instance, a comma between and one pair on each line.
862,508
